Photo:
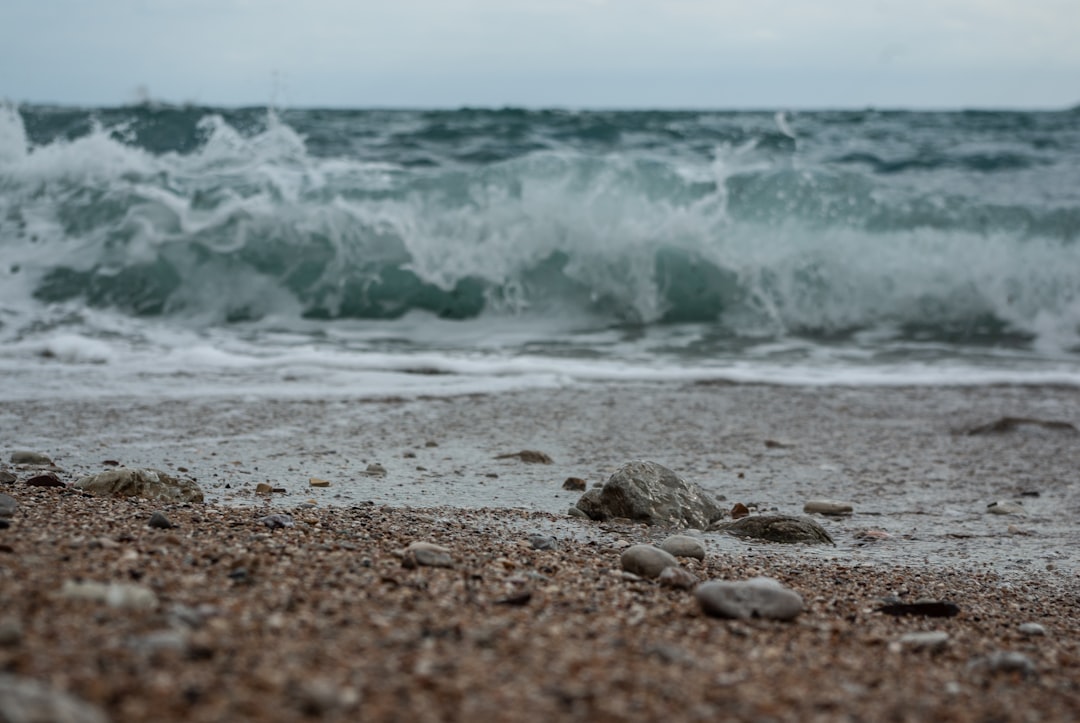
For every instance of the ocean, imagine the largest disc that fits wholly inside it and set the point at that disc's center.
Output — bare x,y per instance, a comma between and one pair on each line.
174,251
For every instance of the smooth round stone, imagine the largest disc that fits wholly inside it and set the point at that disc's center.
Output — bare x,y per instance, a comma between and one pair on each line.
678,578
8,505
646,560
1032,629
1005,507
1005,661
429,554
758,597
159,521
684,546
934,640
23,456
828,507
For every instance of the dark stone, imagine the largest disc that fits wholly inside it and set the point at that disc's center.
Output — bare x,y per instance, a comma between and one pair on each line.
574,484
159,521
1012,424
649,492
7,477
528,455
45,480
777,528
924,608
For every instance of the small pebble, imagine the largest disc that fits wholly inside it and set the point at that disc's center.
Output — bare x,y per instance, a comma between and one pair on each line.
115,594
1032,629
1005,661
935,640
542,542
276,522
427,554
159,521
375,470
758,597
7,477
574,484
576,512
316,482
739,510
1005,507
828,507
45,480
684,546
8,505
27,457
263,489
646,560
11,632
678,577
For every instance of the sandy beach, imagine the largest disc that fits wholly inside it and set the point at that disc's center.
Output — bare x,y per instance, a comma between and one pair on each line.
231,619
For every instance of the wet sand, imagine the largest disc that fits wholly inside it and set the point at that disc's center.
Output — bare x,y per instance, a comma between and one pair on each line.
323,619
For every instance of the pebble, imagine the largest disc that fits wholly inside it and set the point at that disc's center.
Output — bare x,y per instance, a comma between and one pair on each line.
684,546
576,512
543,542
263,489
27,701
678,578
428,554
739,511
1005,661
316,482
1005,507
8,505
934,640
45,480
11,633
758,597
26,457
924,608
828,507
159,521
776,528
7,477
574,484
646,560
375,470
530,456
276,522
115,594
1032,629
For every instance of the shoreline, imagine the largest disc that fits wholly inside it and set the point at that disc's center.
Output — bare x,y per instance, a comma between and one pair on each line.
324,619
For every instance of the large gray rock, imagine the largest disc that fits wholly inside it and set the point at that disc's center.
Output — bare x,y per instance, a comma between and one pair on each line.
777,528
651,493
149,483
758,597
23,700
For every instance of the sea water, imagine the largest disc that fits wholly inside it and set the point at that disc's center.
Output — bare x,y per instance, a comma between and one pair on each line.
179,251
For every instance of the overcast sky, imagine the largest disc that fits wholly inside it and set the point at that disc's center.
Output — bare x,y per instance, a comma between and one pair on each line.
537,53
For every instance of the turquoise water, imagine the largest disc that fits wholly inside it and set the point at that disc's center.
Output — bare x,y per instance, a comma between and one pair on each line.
486,245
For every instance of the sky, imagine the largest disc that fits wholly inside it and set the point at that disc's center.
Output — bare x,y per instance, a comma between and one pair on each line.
544,53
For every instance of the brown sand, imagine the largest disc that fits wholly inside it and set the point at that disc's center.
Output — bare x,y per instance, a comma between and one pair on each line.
322,619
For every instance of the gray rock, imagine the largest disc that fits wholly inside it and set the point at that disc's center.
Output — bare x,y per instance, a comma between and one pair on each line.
933,640
777,528
1032,629
428,554
576,512
684,546
7,477
1006,507
159,521
23,456
149,483
375,470
678,577
8,505
651,493
758,597
542,542
646,560
27,701
828,507
1004,661
277,522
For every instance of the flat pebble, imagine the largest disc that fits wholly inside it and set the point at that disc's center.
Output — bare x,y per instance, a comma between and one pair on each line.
758,597
45,480
828,507
1005,507
115,594
678,578
276,522
1004,661
7,477
646,560
317,482
428,554
1032,629
934,640
23,456
684,546
542,542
